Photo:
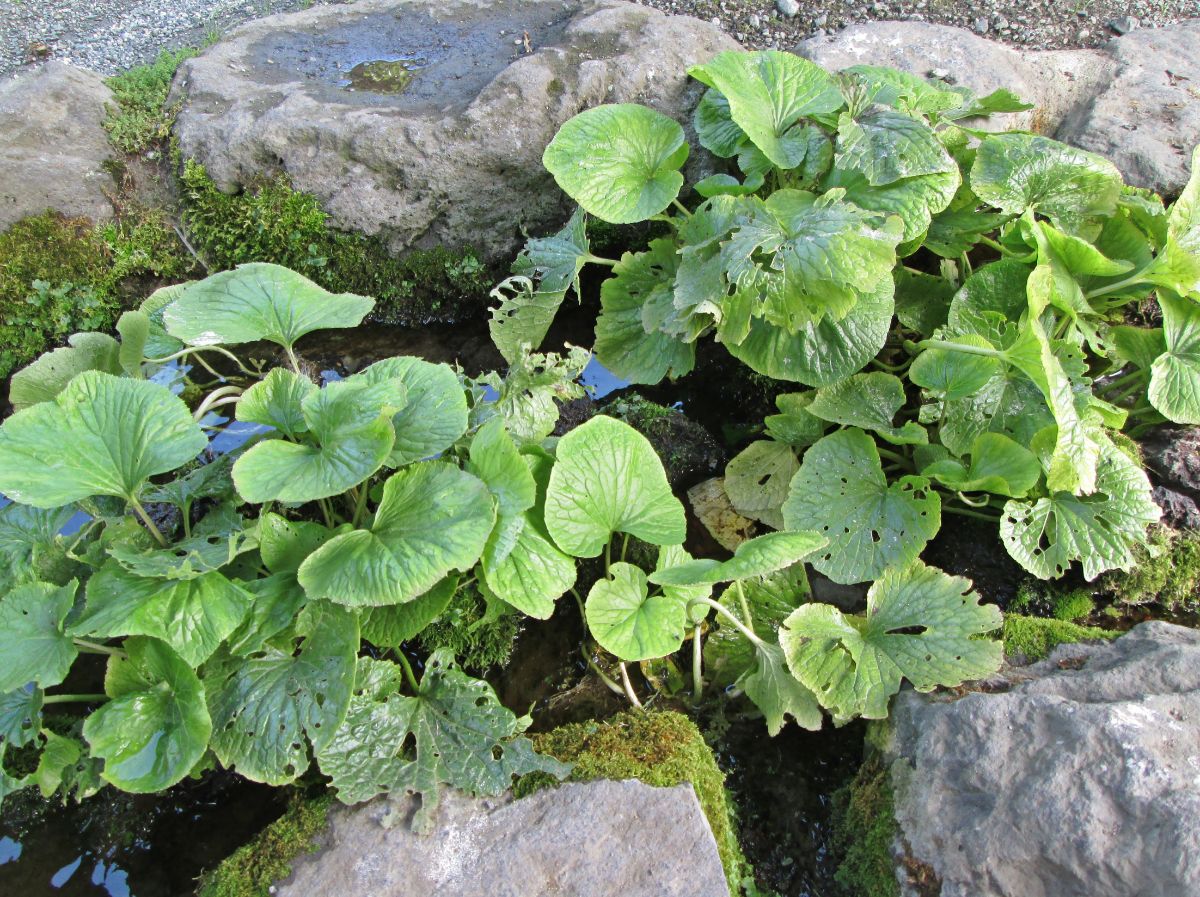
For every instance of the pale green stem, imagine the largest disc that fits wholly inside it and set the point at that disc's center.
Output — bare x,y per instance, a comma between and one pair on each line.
697,667
612,686
976,515
89,647
599,260
725,612
409,676
628,686
624,545
1112,288
74,699
682,208
150,525
737,584
960,347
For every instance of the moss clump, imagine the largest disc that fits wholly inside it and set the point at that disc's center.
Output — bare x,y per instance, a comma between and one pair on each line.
864,828
141,117
1168,574
1035,637
272,222
480,637
660,749
254,867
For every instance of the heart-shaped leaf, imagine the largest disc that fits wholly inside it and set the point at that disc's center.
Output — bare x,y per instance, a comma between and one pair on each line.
256,302
102,435
628,622
49,375
34,646
1175,375
436,411
608,479
620,162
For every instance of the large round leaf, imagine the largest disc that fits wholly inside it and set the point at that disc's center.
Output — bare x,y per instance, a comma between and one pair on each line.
256,302
824,352
102,435
608,479
46,377
33,644
436,413
620,162
433,518
630,623
156,727
841,492
920,625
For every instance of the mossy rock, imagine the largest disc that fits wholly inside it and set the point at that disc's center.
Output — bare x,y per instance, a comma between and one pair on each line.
864,830
1035,637
255,866
1167,574
688,451
663,749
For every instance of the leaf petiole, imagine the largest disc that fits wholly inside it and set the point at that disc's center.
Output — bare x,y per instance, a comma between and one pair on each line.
729,615
74,699
89,647
150,524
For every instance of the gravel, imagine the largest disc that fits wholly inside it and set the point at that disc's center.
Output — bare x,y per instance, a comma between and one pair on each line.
109,36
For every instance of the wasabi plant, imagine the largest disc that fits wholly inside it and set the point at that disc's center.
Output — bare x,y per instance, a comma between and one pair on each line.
962,312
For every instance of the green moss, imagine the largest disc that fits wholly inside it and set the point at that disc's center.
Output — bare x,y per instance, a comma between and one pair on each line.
141,117
660,749
59,276
1167,574
1035,637
254,867
272,222
1073,605
864,828
480,640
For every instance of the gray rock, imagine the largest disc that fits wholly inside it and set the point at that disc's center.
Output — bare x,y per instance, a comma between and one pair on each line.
981,25
1081,779
1055,81
52,145
454,157
1124,24
1172,457
601,839
1147,120
788,8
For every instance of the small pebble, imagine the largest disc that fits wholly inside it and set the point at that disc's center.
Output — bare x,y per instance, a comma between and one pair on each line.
788,7
754,21
980,25
821,20
1124,24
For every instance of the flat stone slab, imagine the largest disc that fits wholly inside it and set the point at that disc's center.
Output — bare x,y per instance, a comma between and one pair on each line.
1136,101
599,839
53,145
1080,779
424,121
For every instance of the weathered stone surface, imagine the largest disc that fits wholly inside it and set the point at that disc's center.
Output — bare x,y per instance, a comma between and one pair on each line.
455,156
601,839
1172,457
1081,779
1055,81
52,144
1135,101
1148,118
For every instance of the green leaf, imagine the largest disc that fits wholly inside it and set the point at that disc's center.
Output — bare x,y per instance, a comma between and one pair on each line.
212,480
757,479
102,435
493,457
556,260
215,541
256,302
628,622
462,736
998,465
855,664
608,479
905,90
887,147
20,717
768,92
715,127
672,556
349,422
29,549
759,556
533,575
530,392
951,374
822,353
1175,375
58,755
1177,266
159,343
134,328
819,255
34,646
433,518
1100,530
795,425
523,316
1071,187
913,200
264,705
620,162
284,544
870,401
49,375
156,727
193,616
393,625
276,402
276,601
625,343
436,413
841,492
728,654
1138,346
777,693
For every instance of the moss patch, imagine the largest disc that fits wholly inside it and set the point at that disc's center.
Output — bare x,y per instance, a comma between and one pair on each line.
272,222
864,828
1171,580
59,276
660,749
1035,637
141,118
480,640
254,867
